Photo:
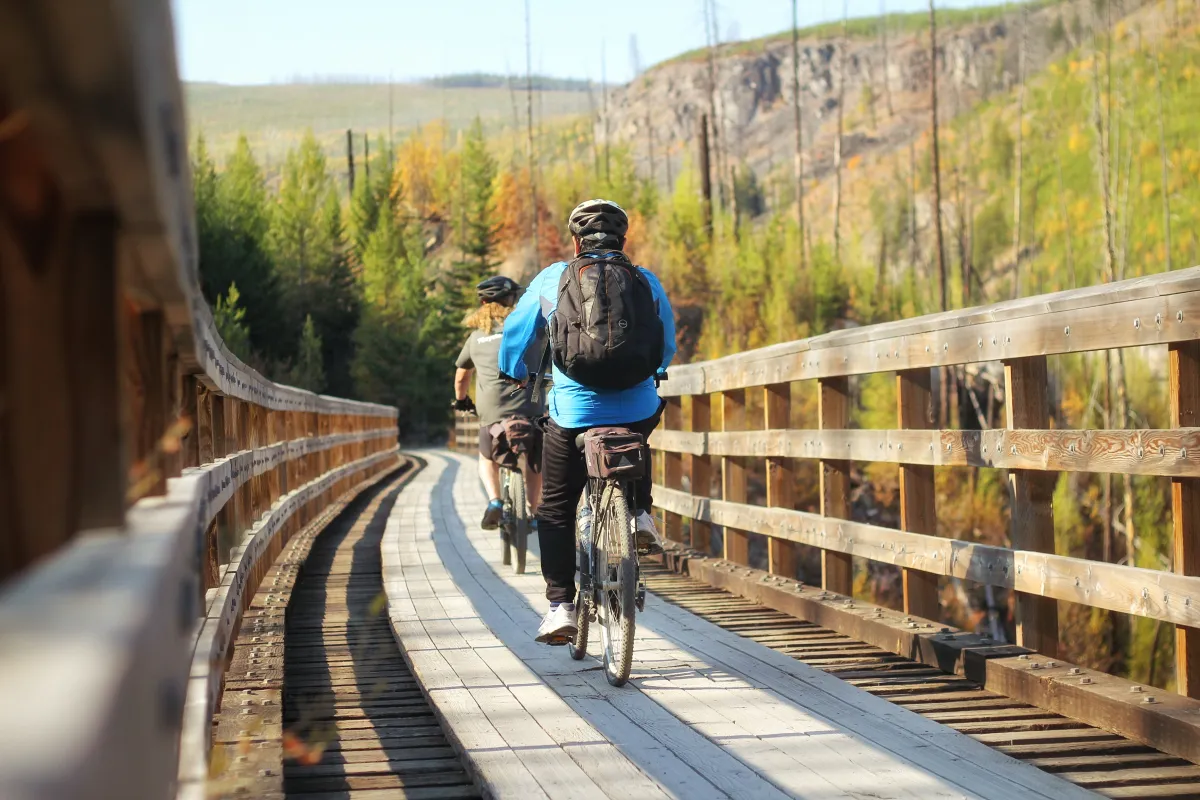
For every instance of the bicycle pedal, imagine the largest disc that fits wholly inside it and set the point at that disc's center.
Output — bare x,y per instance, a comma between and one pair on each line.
640,598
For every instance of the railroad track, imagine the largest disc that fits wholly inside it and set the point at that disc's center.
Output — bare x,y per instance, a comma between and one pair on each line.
1096,759
318,686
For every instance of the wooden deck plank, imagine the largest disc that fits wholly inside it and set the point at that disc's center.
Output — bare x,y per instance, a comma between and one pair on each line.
707,713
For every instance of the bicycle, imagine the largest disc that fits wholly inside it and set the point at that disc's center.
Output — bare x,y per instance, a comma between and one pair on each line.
610,590
514,522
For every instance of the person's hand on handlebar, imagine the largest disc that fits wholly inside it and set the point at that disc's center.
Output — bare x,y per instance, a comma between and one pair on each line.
464,404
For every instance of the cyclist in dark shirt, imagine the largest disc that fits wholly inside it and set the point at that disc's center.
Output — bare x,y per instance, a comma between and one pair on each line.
494,398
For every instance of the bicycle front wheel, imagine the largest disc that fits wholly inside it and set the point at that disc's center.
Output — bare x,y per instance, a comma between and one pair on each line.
520,520
616,572
505,522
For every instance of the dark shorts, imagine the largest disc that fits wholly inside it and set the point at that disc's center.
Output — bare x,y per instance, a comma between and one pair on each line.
534,455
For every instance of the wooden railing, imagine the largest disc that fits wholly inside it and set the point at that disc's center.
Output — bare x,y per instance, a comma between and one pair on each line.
709,439
148,478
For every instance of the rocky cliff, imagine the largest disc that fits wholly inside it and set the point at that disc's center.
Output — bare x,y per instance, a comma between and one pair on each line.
886,90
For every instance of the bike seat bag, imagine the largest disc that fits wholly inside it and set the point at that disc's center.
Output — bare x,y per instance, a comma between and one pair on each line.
614,454
513,437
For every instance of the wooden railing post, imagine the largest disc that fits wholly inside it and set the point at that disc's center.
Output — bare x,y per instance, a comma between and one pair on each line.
190,409
733,475
834,412
216,419
781,479
700,471
673,468
1185,507
914,400
1032,524
149,392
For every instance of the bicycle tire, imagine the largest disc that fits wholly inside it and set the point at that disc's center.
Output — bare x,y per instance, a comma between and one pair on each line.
520,520
577,647
616,560
505,534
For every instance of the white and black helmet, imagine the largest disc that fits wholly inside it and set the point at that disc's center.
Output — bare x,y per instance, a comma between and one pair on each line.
497,289
599,223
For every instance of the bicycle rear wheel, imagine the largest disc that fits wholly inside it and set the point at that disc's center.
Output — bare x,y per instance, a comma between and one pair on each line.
520,520
616,573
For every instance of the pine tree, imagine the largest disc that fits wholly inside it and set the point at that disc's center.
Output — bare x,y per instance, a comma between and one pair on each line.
309,371
372,196
407,335
481,232
242,195
308,243
230,319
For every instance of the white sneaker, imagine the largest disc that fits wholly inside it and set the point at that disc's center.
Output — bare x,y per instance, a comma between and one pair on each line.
648,540
558,626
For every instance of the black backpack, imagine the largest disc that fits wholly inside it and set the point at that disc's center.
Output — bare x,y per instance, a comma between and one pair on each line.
605,332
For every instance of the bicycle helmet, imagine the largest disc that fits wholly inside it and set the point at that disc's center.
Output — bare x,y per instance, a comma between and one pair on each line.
497,288
599,223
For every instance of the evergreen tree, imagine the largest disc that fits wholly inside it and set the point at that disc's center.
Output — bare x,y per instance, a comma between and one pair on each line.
480,232
308,242
230,319
309,371
371,198
232,221
406,338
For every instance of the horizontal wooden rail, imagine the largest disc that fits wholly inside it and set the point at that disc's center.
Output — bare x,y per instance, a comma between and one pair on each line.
1145,592
1156,310
308,506
1171,453
1161,310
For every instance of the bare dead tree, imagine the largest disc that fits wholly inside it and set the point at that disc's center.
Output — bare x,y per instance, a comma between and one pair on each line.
912,205
650,141
936,157
533,203
883,38
592,118
798,159
714,144
1019,171
937,195
1162,153
837,142
604,97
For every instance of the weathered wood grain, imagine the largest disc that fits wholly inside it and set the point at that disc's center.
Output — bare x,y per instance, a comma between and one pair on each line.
1170,452
1184,380
700,470
735,543
1155,594
833,410
1155,310
918,513
673,468
1027,405
781,478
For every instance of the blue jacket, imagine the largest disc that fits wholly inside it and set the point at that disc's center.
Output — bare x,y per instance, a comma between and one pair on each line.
571,404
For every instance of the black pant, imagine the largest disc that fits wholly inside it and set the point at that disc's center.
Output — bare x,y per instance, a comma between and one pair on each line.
564,477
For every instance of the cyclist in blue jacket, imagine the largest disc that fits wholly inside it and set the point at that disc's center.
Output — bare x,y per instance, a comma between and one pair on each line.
597,226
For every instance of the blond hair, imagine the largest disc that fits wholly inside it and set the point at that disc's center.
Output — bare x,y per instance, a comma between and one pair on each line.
487,317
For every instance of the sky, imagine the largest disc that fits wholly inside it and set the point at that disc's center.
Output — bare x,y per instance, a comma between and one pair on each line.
270,41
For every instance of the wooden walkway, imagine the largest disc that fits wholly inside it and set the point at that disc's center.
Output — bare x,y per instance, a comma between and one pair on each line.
707,714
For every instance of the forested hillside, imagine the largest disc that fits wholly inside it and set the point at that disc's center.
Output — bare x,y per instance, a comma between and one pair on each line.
1080,172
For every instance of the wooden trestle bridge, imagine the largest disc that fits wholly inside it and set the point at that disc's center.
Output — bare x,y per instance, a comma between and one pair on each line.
217,586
